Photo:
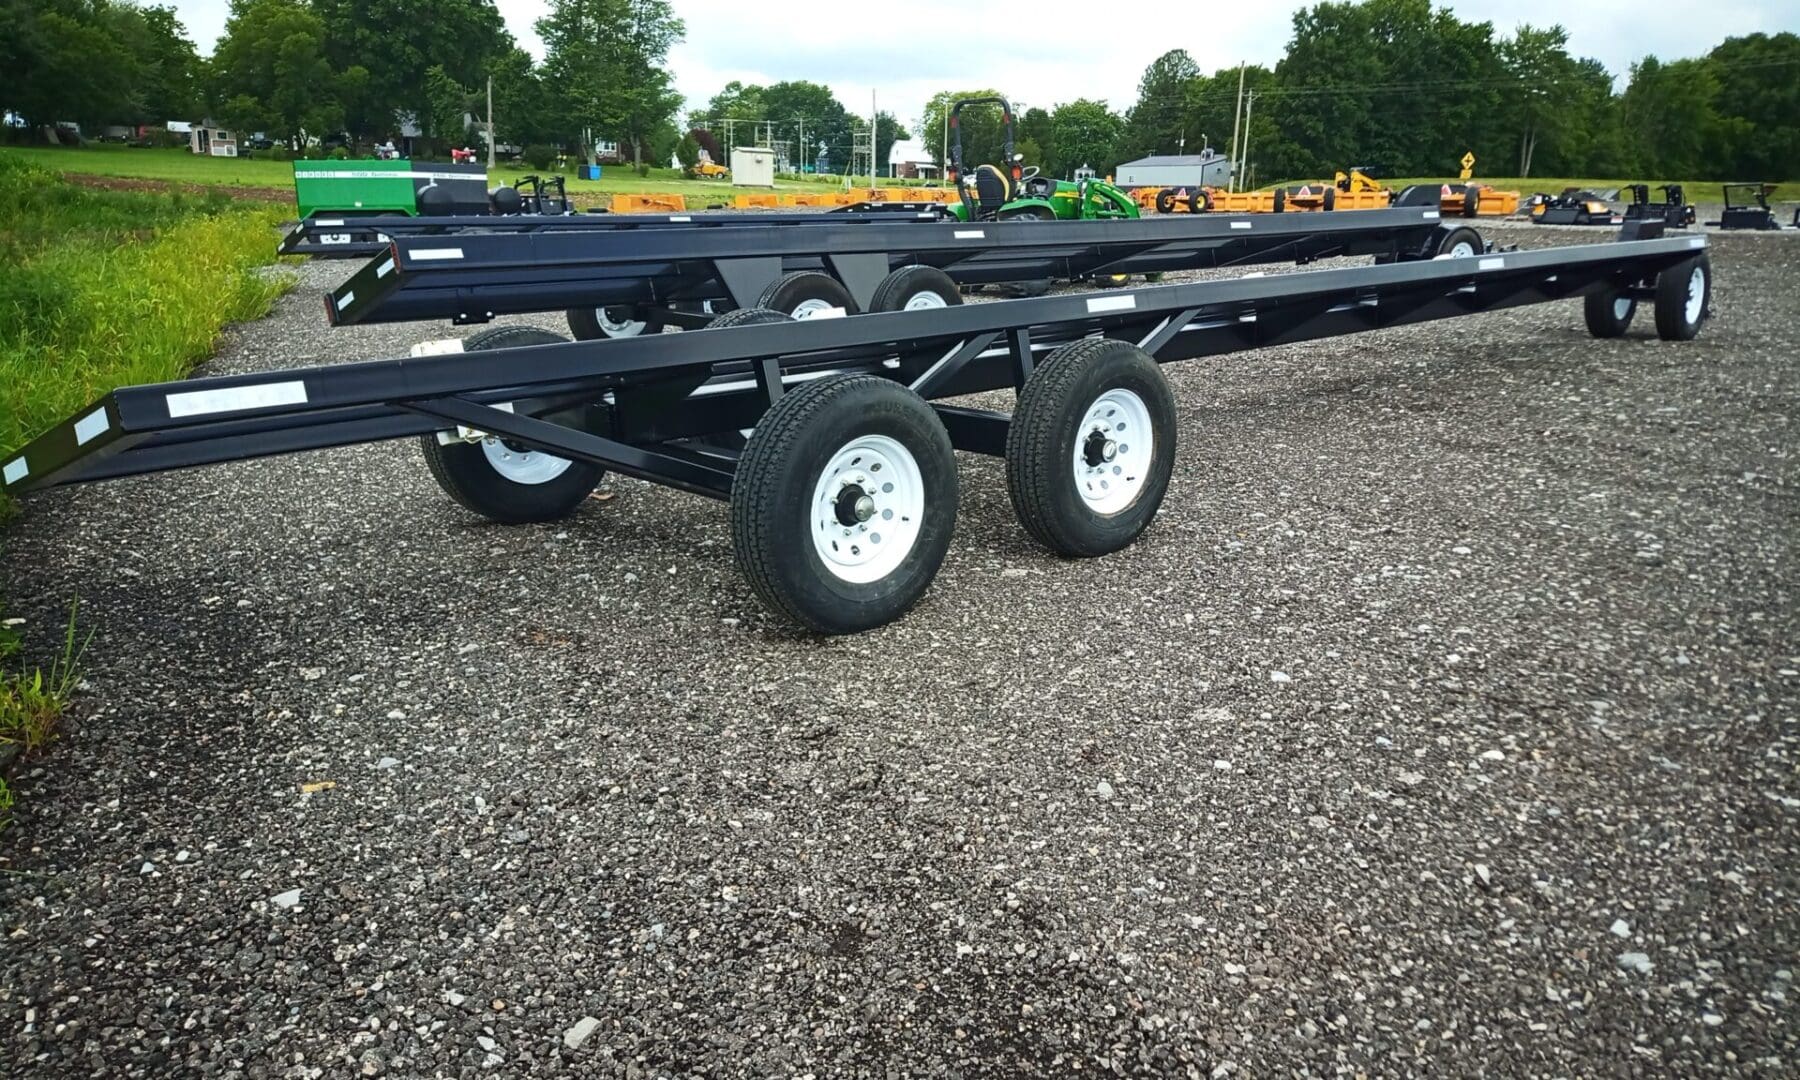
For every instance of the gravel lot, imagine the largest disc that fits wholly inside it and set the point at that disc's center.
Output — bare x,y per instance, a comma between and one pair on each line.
1443,725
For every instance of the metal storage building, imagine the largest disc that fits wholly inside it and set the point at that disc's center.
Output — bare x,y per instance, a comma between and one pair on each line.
1205,169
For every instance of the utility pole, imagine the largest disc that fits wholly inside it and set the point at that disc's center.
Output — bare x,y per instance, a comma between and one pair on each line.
1231,184
490,123
1249,104
801,166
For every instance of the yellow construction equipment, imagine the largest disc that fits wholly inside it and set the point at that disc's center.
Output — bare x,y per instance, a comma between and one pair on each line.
708,170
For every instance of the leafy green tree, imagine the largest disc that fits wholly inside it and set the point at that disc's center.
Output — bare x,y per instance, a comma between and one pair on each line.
608,62
1086,133
1157,123
982,138
171,77
399,41
1668,118
888,131
270,72
1759,97
687,153
449,103
80,65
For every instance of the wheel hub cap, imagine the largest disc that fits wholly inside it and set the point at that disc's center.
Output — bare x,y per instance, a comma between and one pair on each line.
1114,451
868,506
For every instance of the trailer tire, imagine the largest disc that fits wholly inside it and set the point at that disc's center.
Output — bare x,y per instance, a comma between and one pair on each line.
915,288
1057,469
1459,242
1471,200
1280,200
614,321
1330,200
1165,201
1608,313
1200,202
805,292
505,483
1683,299
800,492
747,316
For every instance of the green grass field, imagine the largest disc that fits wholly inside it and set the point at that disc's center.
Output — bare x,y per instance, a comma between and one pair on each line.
179,166
100,289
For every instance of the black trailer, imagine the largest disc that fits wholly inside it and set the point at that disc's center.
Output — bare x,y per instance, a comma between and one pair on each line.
1674,211
1747,207
820,433
342,236
626,283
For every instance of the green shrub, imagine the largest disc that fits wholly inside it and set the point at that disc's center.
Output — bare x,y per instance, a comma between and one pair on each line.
539,156
339,153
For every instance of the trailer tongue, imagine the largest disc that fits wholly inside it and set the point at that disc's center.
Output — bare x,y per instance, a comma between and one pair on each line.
844,494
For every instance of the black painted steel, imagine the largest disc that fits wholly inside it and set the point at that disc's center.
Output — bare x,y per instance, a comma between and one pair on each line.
675,405
473,277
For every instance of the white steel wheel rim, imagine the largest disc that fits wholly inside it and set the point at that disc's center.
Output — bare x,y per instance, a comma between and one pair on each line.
1696,297
867,508
1114,447
612,326
805,309
1462,249
924,301
1622,308
521,466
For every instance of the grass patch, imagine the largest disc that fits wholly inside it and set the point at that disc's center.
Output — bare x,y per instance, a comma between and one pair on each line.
32,701
180,166
100,289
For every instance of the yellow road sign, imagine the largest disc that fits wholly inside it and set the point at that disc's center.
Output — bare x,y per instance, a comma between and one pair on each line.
1468,164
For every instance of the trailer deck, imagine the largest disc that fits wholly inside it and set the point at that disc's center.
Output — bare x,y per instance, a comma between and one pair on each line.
818,431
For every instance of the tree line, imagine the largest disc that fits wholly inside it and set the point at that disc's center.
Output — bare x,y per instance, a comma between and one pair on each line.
803,118
306,70
1406,89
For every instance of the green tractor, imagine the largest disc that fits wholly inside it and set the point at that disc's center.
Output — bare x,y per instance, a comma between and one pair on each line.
996,193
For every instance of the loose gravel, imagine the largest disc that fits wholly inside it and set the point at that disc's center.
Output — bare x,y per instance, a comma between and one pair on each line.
1444,724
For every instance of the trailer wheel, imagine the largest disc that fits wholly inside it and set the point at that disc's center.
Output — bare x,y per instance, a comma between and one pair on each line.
1608,313
805,293
1471,200
1683,296
1460,242
1200,202
1330,200
501,480
844,503
747,316
614,321
916,288
1091,447
1165,201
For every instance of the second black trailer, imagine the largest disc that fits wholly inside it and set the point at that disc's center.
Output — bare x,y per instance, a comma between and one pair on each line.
831,438
626,283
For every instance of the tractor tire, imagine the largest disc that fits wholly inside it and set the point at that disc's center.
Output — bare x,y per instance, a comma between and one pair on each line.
916,288
615,321
1165,201
503,481
805,293
844,503
1683,299
1608,313
1091,447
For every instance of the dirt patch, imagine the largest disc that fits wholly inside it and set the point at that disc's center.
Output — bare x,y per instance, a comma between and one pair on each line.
132,183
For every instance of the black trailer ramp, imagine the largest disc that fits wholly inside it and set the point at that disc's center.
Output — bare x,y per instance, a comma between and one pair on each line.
847,433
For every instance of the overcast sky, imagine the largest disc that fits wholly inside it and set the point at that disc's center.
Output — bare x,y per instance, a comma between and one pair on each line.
1045,52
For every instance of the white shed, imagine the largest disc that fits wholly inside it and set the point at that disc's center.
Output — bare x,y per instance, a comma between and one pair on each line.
1175,170
752,166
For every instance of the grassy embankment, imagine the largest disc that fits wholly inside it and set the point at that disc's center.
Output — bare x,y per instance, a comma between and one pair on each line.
100,289
183,167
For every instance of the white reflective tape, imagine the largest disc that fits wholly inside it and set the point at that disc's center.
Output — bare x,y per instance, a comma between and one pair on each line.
438,347
680,217
91,427
328,221
1696,241
382,174
346,300
1430,215
1128,302
822,313
1240,224
970,234
384,269
237,398
1492,264
428,254
16,470
1255,273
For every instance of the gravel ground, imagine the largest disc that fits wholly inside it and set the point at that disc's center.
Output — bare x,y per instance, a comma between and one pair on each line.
1444,724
